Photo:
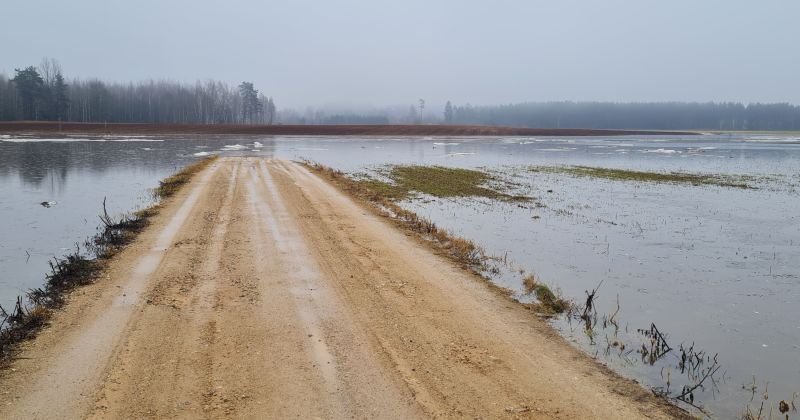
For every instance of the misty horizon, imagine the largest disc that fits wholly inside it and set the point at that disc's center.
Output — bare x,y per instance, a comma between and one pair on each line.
364,55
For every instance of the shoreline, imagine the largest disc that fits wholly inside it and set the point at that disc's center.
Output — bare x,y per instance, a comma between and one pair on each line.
72,128
214,283
439,241
33,310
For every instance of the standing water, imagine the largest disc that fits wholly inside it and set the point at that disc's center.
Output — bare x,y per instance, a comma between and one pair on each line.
714,270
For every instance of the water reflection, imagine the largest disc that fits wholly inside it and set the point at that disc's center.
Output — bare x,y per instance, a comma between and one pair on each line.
705,264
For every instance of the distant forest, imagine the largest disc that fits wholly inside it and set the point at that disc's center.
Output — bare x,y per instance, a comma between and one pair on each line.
608,115
41,93
588,115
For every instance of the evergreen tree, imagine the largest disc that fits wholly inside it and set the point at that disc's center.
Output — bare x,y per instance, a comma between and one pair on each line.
30,88
251,105
60,98
448,113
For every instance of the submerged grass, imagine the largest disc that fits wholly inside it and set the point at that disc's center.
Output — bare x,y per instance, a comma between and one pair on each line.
643,176
77,268
439,181
461,250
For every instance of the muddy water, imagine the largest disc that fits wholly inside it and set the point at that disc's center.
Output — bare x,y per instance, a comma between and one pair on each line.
713,266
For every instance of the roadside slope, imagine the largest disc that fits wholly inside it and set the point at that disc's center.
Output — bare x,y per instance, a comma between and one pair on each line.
261,291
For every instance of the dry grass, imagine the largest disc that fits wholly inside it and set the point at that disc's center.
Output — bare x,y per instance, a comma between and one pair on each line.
529,282
172,184
77,269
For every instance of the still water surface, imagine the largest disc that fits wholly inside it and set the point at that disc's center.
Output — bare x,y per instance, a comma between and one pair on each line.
715,266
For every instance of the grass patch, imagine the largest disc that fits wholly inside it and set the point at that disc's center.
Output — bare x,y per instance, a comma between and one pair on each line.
77,268
643,176
439,181
549,303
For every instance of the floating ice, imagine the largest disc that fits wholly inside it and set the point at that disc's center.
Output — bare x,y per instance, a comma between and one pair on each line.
559,149
137,140
229,147
664,151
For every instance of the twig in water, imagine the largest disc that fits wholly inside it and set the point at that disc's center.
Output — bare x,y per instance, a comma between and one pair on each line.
590,297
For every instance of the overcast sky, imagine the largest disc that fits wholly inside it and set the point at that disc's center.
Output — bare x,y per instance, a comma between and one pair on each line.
386,52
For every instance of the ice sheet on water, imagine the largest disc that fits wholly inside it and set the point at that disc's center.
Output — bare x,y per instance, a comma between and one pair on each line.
557,149
664,151
47,140
11,139
229,147
137,140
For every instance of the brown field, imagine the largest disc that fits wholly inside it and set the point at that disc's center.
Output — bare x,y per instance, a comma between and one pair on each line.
50,128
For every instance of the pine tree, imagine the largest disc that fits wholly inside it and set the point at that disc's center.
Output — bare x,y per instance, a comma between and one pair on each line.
60,98
251,106
448,113
30,88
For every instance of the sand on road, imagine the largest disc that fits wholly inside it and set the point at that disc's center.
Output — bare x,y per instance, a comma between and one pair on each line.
261,291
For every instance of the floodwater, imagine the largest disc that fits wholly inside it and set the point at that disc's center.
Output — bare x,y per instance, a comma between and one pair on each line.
716,267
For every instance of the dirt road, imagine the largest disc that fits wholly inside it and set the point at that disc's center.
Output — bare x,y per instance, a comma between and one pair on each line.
260,291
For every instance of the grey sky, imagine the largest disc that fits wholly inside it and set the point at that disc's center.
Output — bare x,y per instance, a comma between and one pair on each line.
361,52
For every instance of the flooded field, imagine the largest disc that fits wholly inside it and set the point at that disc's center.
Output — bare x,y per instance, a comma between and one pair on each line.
677,262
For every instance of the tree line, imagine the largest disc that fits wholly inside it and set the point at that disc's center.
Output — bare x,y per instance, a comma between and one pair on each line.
612,115
41,93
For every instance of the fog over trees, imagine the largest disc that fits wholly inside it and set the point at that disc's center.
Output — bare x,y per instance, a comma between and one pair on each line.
41,93
596,115
656,115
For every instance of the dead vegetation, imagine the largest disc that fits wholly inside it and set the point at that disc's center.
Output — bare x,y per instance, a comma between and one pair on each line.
465,252
172,184
79,268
